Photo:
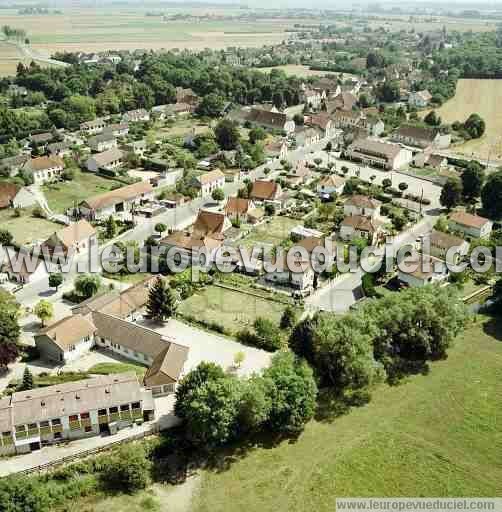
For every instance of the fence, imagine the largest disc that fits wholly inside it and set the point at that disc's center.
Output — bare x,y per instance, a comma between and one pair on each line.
86,453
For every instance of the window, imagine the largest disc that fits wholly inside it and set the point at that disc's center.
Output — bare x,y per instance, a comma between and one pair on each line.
88,428
102,412
44,424
6,434
114,410
58,435
84,416
32,426
74,417
56,422
124,407
20,428
136,405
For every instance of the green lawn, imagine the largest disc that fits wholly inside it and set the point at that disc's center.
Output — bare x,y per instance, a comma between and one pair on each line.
108,368
270,233
435,435
62,196
27,228
233,310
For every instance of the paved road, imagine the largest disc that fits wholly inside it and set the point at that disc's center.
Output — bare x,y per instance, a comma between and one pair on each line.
32,54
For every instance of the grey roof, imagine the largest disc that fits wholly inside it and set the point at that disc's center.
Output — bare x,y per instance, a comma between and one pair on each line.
128,334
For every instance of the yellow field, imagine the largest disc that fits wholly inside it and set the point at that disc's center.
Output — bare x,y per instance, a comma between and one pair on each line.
483,97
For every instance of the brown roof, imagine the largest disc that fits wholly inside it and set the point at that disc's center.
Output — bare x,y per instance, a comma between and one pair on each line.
209,224
8,192
238,205
167,366
361,201
359,222
321,120
210,176
310,243
106,157
422,261
445,240
128,334
68,331
345,100
43,162
126,193
332,181
75,397
74,233
267,118
264,189
416,132
189,242
375,148
468,220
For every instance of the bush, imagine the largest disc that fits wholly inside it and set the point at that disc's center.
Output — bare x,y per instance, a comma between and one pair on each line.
128,470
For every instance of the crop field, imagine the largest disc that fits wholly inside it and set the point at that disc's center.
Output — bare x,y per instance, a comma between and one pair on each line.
10,56
483,97
434,435
81,29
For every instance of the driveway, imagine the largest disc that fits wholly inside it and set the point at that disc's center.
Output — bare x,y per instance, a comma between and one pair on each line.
206,346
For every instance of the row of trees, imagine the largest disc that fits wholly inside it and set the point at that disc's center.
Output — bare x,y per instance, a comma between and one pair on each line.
218,408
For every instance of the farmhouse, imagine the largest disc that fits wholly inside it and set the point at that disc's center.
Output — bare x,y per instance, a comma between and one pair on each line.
136,116
360,226
240,209
329,186
11,165
44,169
93,127
117,129
210,181
74,410
470,225
440,243
417,136
121,200
378,154
422,270
361,205
60,149
277,149
102,142
212,224
66,340
8,192
344,101
108,160
191,248
419,99
79,237
324,123
265,191
270,120
300,276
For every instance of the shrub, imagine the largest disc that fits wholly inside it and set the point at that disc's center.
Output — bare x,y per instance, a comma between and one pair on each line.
128,470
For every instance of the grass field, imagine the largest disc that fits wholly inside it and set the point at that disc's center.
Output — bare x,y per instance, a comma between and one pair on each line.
270,233
109,368
27,228
230,309
62,196
483,97
435,435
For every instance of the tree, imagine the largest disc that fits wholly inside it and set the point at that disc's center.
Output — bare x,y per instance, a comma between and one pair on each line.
298,119
267,333
386,183
22,493
239,358
472,181
451,194
491,195
288,318
27,380
209,405
292,391
9,328
6,237
475,126
128,469
256,134
403,186
110,227
432,119
44,310
162,301
388,92
227,134
218,194
211,105
87,285
160,228
55,280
